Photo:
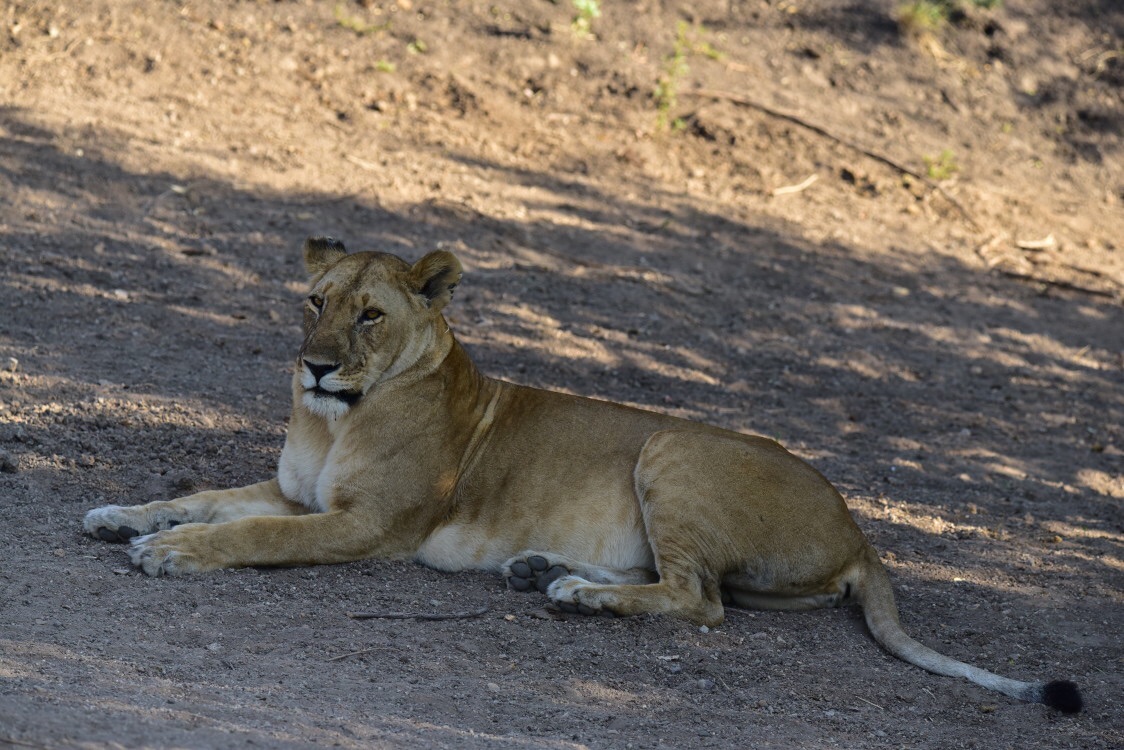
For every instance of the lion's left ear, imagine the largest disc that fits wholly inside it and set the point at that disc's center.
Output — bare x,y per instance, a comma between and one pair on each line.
435,276
321,253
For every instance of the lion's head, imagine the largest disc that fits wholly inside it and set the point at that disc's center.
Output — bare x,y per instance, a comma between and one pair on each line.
368,318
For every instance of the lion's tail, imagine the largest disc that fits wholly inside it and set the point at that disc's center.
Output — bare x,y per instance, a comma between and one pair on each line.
877,599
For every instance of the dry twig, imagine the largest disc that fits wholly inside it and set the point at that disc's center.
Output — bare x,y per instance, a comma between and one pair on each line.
1058,283
1043,244
20,743
362,163
864,700
360,652
417,615
798,188
744,102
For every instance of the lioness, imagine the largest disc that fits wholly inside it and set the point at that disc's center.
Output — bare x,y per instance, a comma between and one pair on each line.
399,447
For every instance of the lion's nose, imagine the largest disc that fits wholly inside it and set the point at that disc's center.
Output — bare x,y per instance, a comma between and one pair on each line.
319,371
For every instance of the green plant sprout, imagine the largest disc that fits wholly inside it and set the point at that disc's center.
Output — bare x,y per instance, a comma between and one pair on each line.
588,11
941,167
354,24
676,67
929,16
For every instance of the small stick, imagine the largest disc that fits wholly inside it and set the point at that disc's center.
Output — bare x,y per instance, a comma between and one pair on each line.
21,743
744,102
786,190
417,615
370,166
360,652
864,700
1042,244
1057,283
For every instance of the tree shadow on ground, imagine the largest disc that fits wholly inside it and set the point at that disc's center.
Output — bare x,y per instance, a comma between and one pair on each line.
149,311
914,379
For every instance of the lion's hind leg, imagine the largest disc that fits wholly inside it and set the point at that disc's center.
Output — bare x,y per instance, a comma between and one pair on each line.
713,504
693,600
587,589
538,570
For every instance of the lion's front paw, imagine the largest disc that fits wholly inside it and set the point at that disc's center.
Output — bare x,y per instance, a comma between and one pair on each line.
112,523
116,523
173,552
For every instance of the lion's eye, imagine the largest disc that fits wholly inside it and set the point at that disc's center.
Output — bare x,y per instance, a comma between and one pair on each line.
316,301
370,315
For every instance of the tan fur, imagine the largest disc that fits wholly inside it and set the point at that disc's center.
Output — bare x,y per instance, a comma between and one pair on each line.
425,458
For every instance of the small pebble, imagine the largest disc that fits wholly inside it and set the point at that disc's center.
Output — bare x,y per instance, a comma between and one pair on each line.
12,365
706,684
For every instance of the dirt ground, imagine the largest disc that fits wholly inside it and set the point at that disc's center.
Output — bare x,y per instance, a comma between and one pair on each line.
935,322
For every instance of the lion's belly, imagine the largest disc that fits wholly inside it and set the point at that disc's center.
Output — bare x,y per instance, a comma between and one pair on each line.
554,475
613,540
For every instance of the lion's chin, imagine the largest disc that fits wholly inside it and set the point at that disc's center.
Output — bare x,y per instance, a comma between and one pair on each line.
330,404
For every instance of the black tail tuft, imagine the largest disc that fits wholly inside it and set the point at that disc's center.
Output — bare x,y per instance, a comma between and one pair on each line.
1062,695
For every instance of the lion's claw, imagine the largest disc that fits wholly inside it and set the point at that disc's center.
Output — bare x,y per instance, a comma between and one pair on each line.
118,535
178,551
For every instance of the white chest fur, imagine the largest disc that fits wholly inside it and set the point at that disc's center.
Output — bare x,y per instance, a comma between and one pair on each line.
299,473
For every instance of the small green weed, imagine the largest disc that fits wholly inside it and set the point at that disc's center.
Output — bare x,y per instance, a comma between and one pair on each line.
674,70
588,12
385,66
929,16
941,167
922,16
688,42
354,24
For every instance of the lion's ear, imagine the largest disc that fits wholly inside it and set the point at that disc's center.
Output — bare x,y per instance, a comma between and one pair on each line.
435,276
321,253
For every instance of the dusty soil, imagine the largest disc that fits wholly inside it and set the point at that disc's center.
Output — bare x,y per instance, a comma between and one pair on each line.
947,346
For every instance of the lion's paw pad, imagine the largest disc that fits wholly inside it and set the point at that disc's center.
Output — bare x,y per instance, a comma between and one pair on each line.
534,572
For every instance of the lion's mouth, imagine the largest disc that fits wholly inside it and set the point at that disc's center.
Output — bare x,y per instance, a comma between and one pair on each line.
348,397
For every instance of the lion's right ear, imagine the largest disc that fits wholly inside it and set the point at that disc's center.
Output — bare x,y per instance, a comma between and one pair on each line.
321,253
435,276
